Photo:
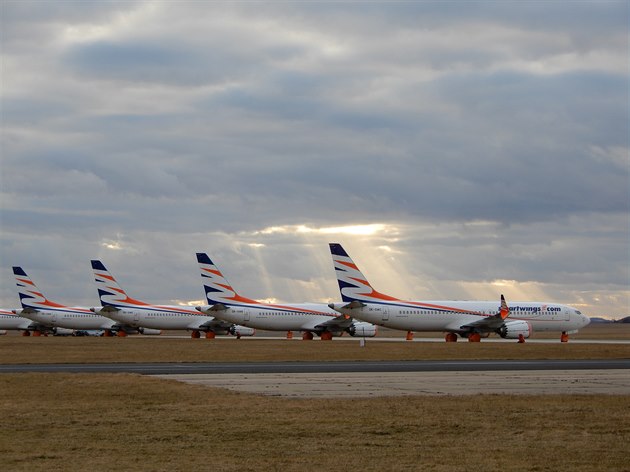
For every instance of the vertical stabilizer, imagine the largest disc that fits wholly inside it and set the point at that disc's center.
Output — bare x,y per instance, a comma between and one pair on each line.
109,291
30,296
353,285
218,290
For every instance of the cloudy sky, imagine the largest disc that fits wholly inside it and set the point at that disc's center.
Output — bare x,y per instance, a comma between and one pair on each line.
458,150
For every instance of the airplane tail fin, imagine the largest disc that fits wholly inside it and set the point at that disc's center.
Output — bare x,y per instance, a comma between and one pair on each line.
353,285
109,291
30,296
218,289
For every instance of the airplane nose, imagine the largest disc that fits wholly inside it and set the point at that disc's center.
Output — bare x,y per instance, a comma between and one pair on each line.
585,321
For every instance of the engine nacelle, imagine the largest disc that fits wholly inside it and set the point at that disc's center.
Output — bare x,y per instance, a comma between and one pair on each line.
362,329
150,331
238,330
512,329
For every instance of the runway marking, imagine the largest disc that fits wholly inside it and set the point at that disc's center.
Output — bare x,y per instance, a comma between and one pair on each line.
334,385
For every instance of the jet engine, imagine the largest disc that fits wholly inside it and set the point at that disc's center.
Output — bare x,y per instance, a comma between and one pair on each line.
238,330
362,329
150,331
512,329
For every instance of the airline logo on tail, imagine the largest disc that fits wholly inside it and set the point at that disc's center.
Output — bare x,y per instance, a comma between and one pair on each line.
218,289
31,297
353,285
109,292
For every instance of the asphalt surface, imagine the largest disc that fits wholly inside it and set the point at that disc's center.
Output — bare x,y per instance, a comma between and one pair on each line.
322,367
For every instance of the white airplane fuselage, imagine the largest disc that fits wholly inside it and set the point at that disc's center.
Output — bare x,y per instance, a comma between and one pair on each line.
73,318
451,315
11,321
294,317
158,317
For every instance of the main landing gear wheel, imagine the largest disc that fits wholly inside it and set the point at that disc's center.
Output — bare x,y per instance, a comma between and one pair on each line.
210,334
409,336
451,338
326,336
121,334
307,336
564,337
474,338
195,334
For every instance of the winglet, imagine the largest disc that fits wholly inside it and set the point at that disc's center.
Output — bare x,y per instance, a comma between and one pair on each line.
505,310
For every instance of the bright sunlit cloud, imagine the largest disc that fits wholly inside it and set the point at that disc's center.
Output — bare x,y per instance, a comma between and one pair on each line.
355,230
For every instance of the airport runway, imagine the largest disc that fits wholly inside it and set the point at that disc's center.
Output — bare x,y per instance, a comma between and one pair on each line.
322,367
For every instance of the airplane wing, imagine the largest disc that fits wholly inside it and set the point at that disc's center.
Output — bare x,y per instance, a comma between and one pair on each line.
490,323
338,323
216,324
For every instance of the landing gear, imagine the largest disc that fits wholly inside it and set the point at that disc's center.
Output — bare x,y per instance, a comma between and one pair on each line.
26,333
107,333
564,337
210,334
451,338
474,338
521,339
307,336
326,336
121,334
289,334
37,333
195,334
409,336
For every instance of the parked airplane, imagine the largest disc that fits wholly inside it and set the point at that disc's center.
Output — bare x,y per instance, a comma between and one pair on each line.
58,318
117,305
471,319
309,318
12,322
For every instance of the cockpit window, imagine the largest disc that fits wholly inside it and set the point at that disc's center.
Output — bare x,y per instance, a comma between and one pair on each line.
579,313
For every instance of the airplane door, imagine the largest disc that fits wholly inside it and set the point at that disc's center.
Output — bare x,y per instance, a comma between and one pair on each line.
245,315
565,314
561,314
385,314
53,317
136,316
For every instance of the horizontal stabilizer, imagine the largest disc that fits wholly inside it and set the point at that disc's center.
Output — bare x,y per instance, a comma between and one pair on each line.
217,307
108,309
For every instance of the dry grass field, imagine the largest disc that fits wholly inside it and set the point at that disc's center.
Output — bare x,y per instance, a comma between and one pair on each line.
78,422
18,350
